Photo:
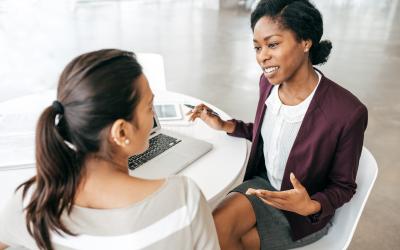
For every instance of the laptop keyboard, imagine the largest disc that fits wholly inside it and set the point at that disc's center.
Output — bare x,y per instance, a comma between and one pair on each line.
158,144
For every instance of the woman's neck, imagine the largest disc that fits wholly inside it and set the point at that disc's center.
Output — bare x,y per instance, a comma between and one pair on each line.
117,164
106,184
100,178
299,86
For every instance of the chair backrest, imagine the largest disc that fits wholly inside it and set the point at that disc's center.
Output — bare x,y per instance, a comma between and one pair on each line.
153,68
346,217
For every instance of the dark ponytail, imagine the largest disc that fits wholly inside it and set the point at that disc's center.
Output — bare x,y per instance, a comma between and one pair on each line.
57,178
301,17
94,90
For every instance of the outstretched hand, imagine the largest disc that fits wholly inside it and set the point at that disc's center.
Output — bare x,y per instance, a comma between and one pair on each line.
295,200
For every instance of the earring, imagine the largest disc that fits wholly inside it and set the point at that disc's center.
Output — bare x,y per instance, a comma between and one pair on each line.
127,141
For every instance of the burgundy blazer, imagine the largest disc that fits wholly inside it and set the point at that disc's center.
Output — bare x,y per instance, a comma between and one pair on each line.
325,153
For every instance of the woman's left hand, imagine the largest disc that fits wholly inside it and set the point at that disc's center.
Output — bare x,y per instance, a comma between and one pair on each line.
295,200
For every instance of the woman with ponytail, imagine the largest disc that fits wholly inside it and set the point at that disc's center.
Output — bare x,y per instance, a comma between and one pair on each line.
82,196
307,137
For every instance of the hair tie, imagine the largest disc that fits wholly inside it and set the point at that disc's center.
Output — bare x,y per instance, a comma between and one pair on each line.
58,107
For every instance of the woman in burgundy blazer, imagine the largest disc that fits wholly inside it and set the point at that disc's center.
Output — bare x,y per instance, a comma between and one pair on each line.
325,154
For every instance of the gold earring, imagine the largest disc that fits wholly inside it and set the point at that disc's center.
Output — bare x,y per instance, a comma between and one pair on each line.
127,141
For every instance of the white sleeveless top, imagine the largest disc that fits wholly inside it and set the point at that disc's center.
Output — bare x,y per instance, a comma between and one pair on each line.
279,130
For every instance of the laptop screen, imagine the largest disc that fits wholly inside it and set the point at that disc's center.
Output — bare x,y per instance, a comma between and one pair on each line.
156,124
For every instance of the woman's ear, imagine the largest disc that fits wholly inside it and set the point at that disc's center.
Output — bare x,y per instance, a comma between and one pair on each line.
119,133
307,45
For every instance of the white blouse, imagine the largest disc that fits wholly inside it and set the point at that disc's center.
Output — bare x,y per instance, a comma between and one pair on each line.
279,130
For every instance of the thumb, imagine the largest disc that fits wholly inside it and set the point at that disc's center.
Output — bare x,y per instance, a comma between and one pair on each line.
296,184
203,113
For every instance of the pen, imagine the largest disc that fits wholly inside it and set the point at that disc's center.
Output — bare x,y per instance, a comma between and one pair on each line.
209,110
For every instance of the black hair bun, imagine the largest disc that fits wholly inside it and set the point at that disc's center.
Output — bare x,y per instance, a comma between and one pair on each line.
319,53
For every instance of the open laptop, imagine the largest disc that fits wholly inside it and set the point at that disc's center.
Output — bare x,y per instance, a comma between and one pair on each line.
168,153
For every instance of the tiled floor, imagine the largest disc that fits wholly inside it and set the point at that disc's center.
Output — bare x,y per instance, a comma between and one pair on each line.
208,54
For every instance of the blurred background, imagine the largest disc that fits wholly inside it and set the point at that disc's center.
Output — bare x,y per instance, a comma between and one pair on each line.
208,53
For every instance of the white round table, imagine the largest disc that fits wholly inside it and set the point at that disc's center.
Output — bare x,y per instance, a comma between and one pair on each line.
215,173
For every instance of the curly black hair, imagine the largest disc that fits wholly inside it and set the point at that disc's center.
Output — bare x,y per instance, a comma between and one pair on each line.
302,18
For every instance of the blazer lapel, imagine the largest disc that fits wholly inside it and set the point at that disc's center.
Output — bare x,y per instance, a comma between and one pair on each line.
265,90
261,111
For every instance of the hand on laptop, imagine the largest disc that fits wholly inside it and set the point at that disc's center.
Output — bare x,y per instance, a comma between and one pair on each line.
209,117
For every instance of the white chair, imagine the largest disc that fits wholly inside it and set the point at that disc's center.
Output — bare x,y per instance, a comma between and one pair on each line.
346,218
153,68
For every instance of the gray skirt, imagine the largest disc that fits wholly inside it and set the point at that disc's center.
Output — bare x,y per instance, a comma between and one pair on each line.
272,225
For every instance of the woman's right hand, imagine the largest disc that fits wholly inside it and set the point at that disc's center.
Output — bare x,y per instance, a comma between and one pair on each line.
205,113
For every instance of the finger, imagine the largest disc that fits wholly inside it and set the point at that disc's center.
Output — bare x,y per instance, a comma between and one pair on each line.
296,183
272,204
193,116
273,194
273,199
191,113
199,108
276,200
211,113
205,114
251,191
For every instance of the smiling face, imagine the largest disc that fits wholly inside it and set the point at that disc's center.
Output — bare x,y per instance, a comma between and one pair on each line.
278,52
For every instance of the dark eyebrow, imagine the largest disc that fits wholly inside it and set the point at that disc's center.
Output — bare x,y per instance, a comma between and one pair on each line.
267,37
